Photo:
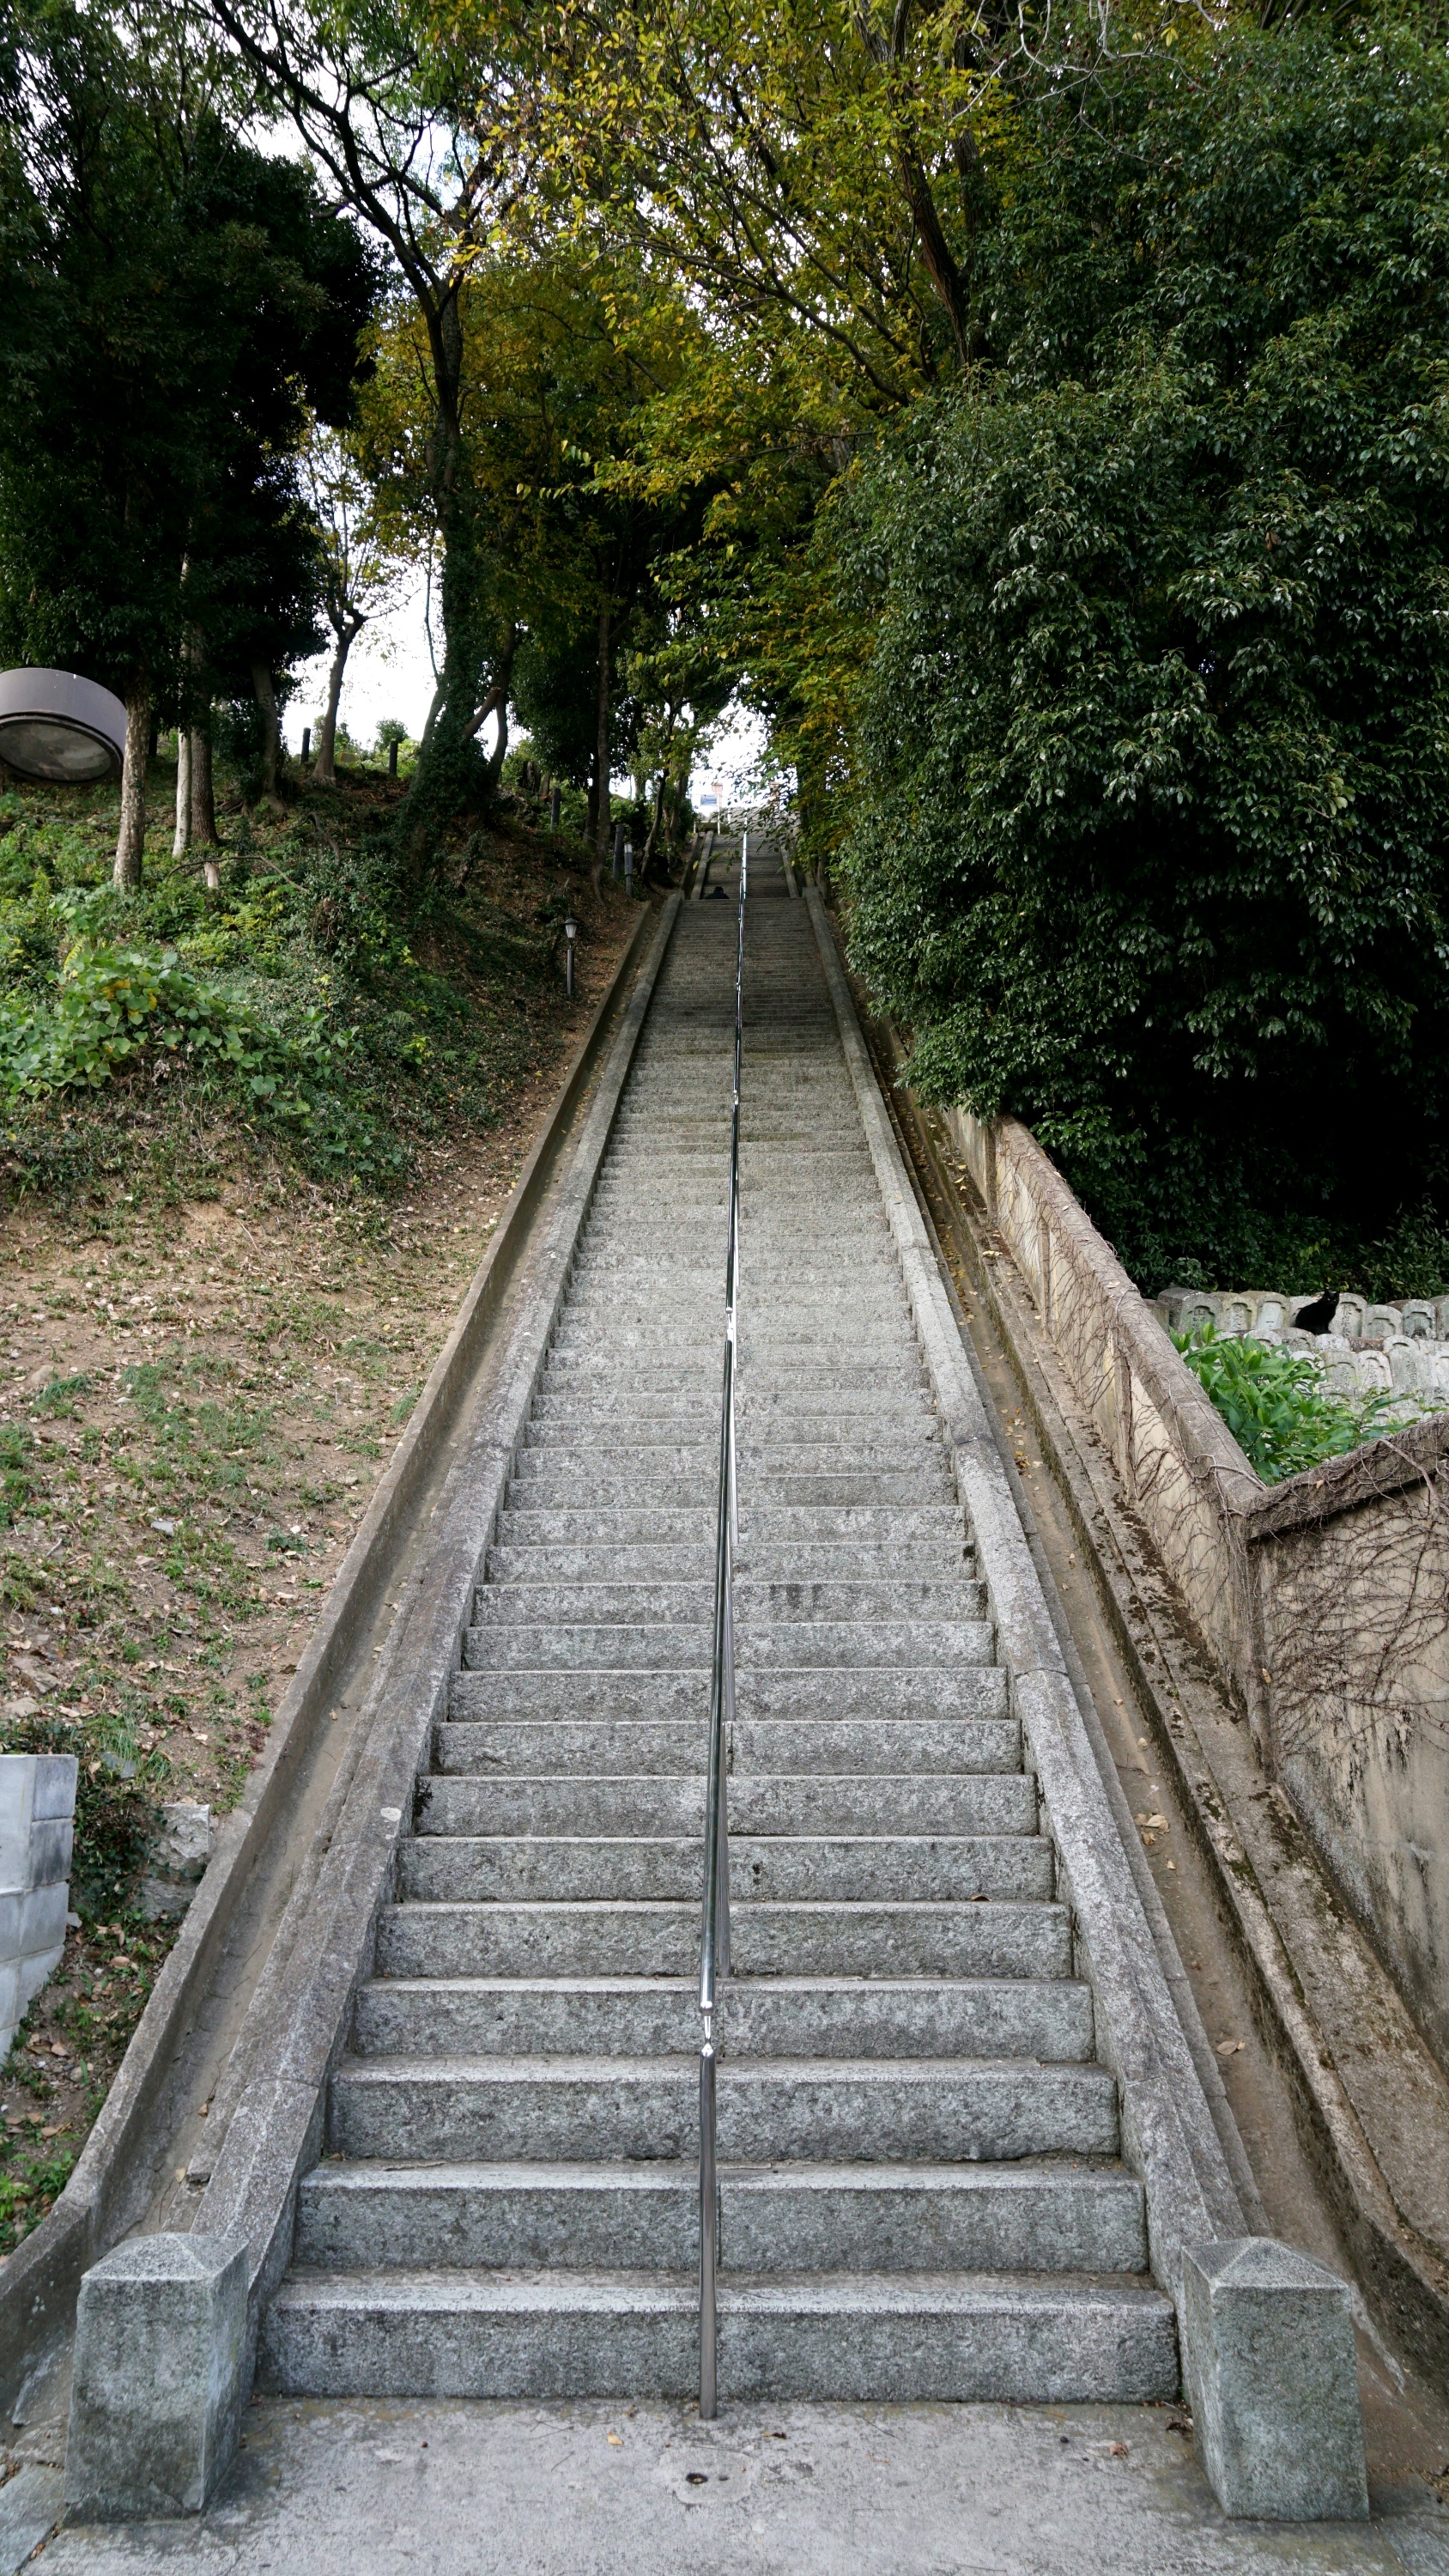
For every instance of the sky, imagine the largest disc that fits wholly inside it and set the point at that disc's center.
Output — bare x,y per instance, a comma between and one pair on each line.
390,673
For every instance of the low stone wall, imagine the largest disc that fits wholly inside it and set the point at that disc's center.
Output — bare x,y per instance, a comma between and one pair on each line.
1324,1601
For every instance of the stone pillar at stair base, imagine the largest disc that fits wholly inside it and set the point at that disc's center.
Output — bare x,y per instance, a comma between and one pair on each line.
1272,2379
160,2357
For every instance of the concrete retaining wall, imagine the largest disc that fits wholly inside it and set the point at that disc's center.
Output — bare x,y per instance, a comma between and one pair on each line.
1323,1601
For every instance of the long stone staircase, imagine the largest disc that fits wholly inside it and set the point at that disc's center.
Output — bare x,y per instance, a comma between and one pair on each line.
921,2194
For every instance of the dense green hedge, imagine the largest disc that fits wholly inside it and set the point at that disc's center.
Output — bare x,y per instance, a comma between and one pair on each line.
1150,842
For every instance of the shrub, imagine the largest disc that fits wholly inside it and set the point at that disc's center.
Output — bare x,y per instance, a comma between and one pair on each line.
111,1004
1152,751
1275,1403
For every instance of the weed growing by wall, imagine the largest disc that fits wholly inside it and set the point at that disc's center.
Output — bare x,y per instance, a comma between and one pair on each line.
1276,1406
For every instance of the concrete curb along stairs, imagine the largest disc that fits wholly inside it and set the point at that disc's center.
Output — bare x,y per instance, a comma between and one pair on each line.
1250,2423
118,2464
116,2178
1170,2135
463,2162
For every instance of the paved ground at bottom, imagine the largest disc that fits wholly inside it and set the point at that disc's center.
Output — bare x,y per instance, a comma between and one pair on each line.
460,2489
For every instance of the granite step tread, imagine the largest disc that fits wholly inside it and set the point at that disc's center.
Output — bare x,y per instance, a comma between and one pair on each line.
951,1599
508,1746
1046,2018
907,2110
1042,2215
862,1868
606,1803
840,1936
1022,2338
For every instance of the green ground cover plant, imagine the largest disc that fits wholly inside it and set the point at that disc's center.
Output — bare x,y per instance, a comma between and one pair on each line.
294,1007
62,2062
1276,1405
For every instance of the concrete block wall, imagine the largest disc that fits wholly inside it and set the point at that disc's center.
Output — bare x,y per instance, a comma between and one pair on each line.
1324,1600
37,1810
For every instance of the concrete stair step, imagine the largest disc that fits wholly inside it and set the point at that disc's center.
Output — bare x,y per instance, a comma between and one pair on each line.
446,1869
882,1695
584,1484
760,1526
814,1440
508,1747
595,2016
627,1260
628,1478
855,1562
631,1166
645,1603
839,1561
607,1524
882,1802
760,1645
760,1403
1043,2217
995,1937
625,1318
771,2110
577,1361
820,1412
891,2338
663,1450
628,1562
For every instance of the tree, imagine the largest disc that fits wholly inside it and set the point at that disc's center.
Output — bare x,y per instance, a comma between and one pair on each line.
809,172
169,301
560,359
360,571
395,130
1147,742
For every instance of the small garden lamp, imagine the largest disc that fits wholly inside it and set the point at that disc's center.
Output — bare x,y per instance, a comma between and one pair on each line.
571,932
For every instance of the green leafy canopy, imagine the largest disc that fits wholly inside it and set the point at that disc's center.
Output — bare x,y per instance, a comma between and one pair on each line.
1151,733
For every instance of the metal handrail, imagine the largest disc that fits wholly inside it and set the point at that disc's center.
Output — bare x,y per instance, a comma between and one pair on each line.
714,1962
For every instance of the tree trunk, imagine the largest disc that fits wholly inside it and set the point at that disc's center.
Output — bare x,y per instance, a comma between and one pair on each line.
182,841
203,806
652,842
601,753
266,694
499,752
446,776
131,839
496,704
324,772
